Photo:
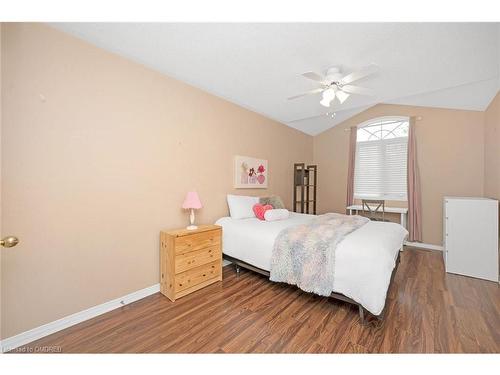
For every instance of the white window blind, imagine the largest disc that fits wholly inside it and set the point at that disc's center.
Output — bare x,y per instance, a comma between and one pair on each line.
381,157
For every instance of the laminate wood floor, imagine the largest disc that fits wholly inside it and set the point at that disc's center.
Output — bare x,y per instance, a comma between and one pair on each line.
428,311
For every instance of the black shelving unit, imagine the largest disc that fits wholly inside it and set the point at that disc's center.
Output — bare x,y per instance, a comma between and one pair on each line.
304,188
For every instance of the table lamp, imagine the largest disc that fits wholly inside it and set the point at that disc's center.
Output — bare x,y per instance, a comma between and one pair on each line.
192,202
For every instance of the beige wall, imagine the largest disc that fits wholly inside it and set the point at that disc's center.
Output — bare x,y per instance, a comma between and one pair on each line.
492,149
450,146
98,153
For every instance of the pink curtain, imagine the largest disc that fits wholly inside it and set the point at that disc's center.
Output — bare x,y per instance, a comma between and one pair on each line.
413,182
352,162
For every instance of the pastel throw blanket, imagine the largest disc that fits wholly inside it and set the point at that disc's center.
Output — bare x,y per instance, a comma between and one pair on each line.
304,255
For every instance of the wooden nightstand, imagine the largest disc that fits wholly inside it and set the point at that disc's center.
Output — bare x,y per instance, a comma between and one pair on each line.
190,259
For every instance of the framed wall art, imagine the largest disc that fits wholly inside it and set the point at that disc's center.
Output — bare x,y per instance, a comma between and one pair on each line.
250,173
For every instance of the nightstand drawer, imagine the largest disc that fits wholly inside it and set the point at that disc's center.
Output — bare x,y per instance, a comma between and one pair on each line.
187,261
197,275
197,241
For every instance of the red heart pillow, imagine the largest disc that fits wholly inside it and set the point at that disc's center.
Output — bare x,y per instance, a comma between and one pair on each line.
259,210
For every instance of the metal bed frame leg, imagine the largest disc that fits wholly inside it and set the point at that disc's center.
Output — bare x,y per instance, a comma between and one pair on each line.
237,270
361,314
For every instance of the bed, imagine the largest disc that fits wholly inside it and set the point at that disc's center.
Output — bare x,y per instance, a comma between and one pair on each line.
366,259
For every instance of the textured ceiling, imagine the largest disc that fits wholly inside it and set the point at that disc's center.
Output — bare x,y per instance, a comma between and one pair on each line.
450,65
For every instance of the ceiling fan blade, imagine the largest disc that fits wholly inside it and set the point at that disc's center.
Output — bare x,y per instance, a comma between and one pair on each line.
311,92
357,75
357,90
314,76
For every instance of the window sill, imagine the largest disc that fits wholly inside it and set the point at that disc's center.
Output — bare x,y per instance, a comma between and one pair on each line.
394,199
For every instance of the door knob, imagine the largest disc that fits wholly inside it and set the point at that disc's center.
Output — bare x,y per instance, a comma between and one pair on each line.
10,241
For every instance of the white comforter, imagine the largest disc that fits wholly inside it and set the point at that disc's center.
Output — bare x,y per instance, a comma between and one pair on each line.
364,259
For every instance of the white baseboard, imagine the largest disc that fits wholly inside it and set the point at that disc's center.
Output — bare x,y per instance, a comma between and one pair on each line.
424,245
24,338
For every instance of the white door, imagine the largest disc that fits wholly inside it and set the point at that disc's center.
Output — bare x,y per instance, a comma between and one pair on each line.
6,241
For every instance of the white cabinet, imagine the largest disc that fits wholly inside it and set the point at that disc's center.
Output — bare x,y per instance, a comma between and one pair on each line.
471,237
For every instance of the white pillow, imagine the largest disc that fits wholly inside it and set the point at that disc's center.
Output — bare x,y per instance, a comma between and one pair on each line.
241,206
276,214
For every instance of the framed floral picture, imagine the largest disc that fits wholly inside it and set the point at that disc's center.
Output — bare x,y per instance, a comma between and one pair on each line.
250,173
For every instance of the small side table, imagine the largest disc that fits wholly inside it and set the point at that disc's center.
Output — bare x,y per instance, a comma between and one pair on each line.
190,260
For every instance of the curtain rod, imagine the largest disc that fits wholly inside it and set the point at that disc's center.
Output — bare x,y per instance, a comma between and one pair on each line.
418,118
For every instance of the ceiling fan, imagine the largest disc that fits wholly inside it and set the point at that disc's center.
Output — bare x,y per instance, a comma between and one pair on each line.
335,85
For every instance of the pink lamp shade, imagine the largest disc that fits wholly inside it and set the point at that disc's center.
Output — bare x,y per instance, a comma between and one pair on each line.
192,201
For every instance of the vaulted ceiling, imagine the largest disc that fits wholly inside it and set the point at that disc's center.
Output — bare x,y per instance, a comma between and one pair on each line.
258,66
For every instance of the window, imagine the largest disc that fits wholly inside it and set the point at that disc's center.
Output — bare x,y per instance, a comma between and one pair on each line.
381,156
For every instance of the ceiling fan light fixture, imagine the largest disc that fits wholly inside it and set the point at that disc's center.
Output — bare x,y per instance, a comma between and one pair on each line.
325,103
329,94
342,96
328,97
